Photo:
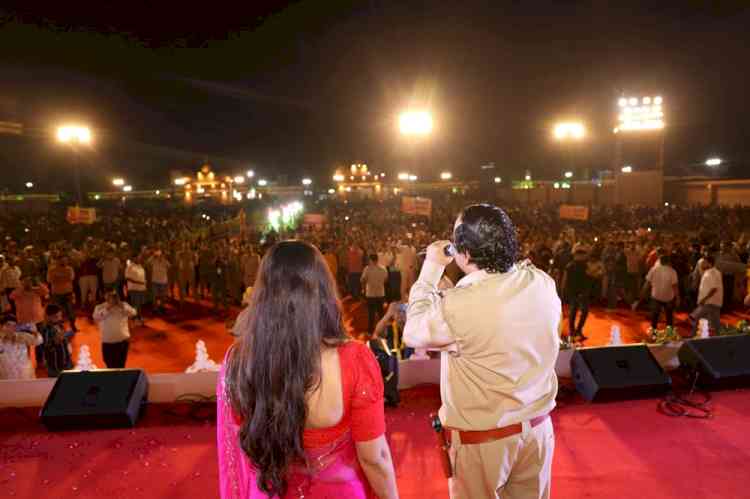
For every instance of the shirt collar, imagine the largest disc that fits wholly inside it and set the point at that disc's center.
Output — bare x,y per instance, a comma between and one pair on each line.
481,275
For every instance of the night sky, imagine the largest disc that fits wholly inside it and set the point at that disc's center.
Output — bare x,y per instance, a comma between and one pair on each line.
298,88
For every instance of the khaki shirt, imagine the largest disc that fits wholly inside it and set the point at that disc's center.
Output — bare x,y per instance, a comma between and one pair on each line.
499,333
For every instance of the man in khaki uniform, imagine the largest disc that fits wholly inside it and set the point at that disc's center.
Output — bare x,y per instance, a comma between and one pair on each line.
498,329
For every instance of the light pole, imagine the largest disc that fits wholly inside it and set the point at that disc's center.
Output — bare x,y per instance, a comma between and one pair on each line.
416,124
75,134
569,132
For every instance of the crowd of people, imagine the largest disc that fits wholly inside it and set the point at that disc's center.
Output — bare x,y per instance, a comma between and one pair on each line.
135,260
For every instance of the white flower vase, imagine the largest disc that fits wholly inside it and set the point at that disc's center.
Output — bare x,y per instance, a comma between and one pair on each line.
703,328
84,362
203,362
614,335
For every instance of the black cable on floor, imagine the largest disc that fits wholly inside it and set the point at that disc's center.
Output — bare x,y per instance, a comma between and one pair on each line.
694,404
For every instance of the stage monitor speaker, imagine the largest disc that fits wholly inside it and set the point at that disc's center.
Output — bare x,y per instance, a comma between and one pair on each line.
721,361
617,373
95,399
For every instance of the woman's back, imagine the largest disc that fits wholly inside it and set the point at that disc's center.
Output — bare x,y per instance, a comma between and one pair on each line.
300,406
346,408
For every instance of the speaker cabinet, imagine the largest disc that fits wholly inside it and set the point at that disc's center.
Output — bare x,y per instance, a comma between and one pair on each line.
96,399
617,373
721,361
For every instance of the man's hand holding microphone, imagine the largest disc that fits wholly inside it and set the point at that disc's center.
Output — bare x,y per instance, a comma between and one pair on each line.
441,253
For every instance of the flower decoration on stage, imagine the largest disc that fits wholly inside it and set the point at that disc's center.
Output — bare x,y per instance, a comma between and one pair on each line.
742,327
203,362
660,336
84,362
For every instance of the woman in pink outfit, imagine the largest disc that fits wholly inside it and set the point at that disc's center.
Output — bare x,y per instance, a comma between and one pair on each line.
300,407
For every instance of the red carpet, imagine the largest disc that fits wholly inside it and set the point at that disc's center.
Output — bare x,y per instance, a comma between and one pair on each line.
618,450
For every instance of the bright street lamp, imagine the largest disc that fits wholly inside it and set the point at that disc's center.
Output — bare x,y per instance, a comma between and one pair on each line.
70,134
29,185
568,174
627,169
403,176
239,179
713,162
413,178
498,180
118,182
306,181
446,176
262,182
569,130
527,177
250,174
415,122
74,133
127,188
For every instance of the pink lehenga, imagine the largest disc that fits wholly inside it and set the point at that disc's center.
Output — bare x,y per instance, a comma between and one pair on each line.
331,468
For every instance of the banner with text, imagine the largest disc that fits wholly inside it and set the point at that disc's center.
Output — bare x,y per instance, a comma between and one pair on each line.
574,212
78,215
416,206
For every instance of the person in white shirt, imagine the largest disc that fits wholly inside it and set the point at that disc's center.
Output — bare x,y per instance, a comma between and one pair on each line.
135,275
112,317
710,295
15,341
664,291
159,278
374,279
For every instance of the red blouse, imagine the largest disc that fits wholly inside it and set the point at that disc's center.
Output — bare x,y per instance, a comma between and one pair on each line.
362,390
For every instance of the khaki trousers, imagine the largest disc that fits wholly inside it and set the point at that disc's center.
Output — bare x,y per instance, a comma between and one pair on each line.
515,467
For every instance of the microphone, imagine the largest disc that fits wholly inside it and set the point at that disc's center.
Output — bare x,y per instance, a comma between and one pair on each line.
449,251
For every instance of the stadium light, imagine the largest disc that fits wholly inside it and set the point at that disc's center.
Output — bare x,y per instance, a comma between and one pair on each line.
627,169
262,182
640,114
74,133
446,176
118,182
569,130
568,174
415,122
713,162
306,181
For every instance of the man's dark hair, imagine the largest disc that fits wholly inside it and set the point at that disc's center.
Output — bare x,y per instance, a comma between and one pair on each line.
665,259
52,309
710,260
374,258
487,234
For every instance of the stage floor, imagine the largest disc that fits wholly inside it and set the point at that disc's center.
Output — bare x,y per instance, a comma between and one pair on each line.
619,450
166,344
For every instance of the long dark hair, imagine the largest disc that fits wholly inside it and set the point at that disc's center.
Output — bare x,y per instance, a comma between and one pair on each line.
295,311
